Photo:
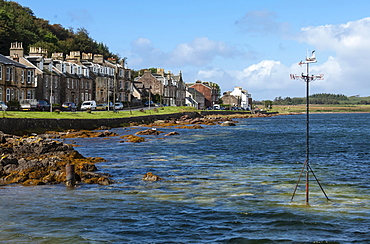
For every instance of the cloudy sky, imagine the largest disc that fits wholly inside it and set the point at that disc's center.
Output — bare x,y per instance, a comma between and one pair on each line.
251,44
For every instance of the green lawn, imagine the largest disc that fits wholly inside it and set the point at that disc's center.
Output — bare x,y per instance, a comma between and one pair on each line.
314,108
93,114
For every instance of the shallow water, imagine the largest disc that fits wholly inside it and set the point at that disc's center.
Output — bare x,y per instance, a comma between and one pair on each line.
222,185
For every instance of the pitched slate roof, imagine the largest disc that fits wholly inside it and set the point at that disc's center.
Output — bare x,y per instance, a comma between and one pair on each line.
9,61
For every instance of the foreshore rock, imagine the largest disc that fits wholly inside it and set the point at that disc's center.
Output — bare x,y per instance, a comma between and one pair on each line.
151,177
38,160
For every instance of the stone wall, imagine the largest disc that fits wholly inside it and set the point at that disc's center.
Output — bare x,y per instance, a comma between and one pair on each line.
18,126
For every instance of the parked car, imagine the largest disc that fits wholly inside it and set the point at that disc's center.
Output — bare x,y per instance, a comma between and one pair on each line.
28,104
88,105
69,106
110,106
43,105
3,106
118,106
147,103
102,106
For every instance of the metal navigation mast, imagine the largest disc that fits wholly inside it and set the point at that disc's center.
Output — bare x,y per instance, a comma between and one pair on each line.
307,78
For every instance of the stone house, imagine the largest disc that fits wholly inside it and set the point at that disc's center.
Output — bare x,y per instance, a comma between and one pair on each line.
238,98
17,80
169,87
194,98
149,84
112,81
48,79
209,92
180,92
231,100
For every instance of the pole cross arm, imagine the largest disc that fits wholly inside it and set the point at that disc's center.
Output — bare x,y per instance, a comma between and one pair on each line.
304,77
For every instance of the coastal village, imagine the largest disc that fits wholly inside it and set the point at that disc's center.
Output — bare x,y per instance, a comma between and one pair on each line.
78,77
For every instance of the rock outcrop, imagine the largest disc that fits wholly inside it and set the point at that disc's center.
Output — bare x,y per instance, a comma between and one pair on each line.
151,177
38,160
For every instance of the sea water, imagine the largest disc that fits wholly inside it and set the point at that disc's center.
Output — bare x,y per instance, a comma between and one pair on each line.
221,185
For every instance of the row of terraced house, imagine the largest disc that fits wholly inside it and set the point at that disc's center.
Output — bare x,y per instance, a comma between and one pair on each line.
79,77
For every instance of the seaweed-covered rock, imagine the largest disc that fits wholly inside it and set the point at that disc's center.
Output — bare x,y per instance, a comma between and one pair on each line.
152,131
151,177
35,160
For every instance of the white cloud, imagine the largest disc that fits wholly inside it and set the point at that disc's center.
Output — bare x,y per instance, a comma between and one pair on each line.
266,79
201,51
345,72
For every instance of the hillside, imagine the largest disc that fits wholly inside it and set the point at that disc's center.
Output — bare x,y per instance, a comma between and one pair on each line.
18,23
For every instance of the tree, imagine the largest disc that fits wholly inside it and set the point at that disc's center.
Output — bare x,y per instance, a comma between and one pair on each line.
19,24
268,104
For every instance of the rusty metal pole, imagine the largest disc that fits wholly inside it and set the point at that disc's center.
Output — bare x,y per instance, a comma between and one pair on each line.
307,134
70,175
307,78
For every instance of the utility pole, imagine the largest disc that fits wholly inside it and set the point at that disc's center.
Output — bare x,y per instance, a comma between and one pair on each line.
306,166
51,86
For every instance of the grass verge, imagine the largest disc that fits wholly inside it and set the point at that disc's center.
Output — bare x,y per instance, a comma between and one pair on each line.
94,114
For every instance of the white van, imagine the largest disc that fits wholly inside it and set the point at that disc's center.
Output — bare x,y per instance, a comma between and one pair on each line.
88,105
28,104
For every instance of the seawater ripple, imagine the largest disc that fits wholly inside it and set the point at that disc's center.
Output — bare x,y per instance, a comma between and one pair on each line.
222,185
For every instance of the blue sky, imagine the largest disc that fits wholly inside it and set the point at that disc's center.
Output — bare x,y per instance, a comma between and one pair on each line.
251,44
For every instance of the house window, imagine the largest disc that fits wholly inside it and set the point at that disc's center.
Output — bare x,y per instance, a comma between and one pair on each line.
29,95
68,83
8,94
29,76
1,72
82,96
8,73
55,82
46,81
22,74
121,73
1,93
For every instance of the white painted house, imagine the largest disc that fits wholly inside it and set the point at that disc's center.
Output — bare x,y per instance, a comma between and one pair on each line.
243,96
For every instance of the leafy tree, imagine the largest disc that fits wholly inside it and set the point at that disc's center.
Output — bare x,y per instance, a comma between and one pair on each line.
19,24
268,104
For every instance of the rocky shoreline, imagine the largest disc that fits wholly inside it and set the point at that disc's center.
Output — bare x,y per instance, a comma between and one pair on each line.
40,159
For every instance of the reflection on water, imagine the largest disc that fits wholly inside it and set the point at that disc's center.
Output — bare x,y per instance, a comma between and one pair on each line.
222,184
